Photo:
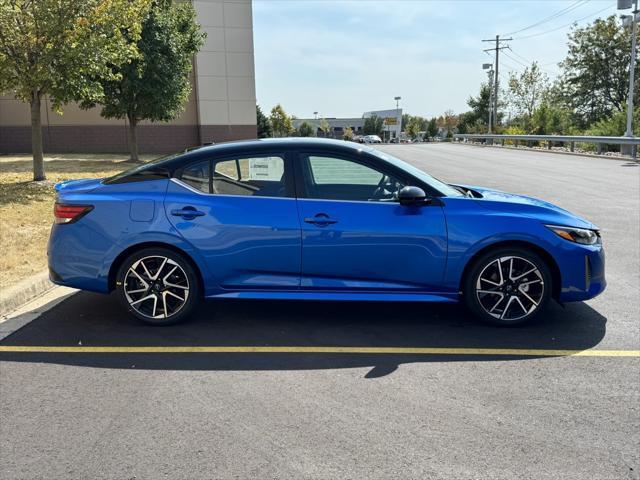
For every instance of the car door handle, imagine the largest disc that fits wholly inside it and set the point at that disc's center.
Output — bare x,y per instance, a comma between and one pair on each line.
321,220
188,213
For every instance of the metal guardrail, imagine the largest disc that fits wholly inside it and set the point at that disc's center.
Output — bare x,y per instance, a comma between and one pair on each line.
554,138
551,139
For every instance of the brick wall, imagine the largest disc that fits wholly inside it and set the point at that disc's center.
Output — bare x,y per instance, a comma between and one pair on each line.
113,139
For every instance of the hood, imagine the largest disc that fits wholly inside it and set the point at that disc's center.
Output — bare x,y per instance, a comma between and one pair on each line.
78,186
527,206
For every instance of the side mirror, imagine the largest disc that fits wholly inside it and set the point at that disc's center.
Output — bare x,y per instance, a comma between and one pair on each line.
412,196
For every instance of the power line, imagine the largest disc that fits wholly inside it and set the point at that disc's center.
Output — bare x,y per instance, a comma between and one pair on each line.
559,13
529,62
566,25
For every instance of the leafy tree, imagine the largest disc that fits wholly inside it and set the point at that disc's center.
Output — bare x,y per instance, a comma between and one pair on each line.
526,90
549,119
432,128
595,78
406,118
449,122
264,126
306,130
155,85
480,105
280,122
414,126
616,125
373,125
63,49
348,134
325,128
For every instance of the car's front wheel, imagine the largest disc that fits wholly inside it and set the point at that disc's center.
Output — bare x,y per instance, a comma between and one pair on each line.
508,286
158,286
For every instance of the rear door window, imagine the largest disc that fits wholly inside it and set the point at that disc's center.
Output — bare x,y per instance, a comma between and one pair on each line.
254,176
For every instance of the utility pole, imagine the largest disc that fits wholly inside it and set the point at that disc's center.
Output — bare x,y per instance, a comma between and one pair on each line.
497,49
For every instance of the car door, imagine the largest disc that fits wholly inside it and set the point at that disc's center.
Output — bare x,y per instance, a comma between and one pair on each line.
240,213
356,235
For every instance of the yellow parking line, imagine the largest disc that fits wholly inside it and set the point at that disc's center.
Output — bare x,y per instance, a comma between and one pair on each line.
527,352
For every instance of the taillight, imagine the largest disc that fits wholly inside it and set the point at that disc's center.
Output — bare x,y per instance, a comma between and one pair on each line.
70,213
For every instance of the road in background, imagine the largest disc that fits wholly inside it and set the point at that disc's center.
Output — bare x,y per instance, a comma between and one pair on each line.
300,415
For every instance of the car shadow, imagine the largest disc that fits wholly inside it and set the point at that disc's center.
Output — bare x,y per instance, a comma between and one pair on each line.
95,320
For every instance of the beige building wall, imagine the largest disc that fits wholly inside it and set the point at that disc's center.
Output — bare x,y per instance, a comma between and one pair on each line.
221,107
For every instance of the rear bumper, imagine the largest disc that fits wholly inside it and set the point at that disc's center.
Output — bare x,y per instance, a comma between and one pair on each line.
75,258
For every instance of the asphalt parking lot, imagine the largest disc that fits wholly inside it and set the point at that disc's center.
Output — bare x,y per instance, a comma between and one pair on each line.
308,413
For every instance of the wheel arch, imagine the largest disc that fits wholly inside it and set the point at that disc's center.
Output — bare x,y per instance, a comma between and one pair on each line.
121,257
556,278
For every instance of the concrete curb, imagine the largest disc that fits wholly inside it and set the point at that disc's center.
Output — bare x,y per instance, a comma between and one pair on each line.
14,297
30,311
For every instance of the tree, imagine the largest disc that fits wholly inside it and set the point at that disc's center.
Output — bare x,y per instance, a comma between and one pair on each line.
155,85
413,126
406,118
281,123
63,49
432,128
527,90
449,122
595,73
325,127
306,130
263,124
348,134
373,125
549,119
480,105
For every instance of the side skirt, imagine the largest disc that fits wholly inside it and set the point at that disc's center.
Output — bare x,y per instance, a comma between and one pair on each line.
340,296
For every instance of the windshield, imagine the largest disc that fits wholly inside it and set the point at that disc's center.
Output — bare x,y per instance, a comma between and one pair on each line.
446,189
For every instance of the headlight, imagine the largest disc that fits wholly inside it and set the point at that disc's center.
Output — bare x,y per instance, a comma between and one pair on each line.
577,235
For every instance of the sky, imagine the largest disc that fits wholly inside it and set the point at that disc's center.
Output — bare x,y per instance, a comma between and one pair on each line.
342,58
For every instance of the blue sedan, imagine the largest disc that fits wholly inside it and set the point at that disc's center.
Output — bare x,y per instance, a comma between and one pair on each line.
306,219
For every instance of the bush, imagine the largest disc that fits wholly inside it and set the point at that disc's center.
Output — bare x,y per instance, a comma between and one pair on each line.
614,126
513,130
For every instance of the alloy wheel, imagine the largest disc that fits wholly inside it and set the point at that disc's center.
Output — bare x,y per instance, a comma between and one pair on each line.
156,287
510,288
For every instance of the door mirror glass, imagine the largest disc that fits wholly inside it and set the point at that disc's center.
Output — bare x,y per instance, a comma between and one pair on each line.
412,196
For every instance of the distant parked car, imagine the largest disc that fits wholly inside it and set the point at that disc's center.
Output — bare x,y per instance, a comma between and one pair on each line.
372,139
310,219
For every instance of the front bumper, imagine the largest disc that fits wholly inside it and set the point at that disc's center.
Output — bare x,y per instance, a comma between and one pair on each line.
583,273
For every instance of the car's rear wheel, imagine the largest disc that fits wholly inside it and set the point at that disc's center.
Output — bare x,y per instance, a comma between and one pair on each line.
158,286
508,286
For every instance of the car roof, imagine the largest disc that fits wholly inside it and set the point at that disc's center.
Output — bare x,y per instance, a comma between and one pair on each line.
264,144
162,167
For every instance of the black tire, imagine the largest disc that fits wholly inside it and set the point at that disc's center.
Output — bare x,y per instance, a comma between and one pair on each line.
146,274
490,297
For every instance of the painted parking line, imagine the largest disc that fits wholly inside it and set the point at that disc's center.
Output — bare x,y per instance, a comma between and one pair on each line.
520,352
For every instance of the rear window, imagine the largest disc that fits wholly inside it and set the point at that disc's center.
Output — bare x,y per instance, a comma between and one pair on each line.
147,171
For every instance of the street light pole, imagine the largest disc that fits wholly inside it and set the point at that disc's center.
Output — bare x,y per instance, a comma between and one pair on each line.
632,71
397,99
490,73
